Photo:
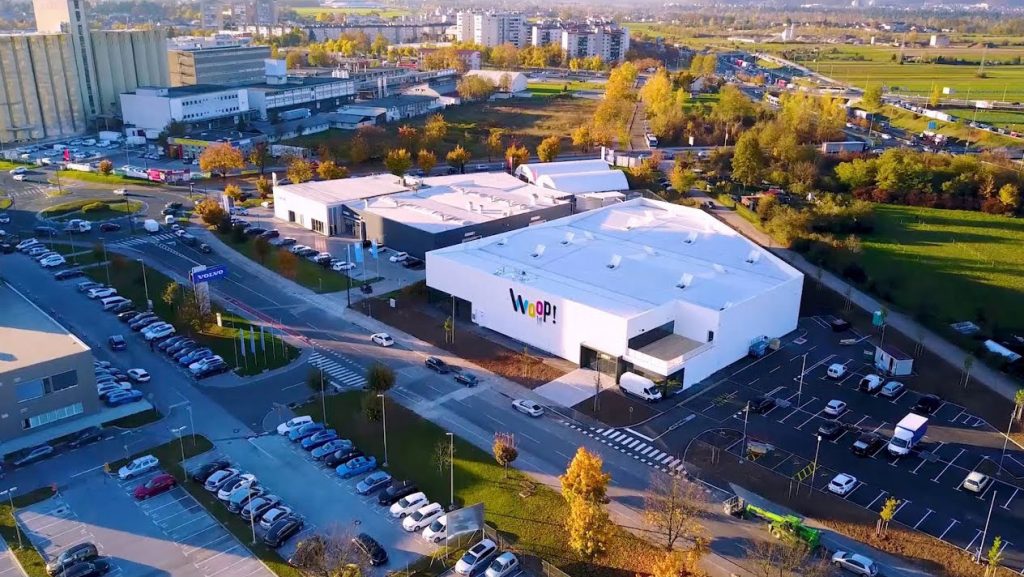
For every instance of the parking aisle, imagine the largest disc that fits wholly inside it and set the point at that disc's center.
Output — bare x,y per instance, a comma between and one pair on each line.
53,526
9,566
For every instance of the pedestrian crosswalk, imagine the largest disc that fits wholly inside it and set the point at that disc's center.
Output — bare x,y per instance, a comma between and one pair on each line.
137,240
638,446
339,375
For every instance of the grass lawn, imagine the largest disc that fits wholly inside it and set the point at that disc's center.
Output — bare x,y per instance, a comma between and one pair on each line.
29,558
8,165
1010,119
915,123
127,277
527,515
6,203
307,273
918,79
526,120
115,179
113,208
948,265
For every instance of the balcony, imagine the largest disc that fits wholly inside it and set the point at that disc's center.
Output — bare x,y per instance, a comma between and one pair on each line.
666,355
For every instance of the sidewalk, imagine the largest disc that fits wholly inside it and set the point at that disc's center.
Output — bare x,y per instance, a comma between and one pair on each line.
902,322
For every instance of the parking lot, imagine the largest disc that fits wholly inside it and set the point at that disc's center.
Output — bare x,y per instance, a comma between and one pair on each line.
926,482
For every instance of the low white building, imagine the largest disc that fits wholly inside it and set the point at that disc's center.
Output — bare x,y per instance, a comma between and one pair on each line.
506,80
659,290
153,108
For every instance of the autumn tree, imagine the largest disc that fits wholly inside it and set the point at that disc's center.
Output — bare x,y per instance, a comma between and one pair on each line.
293,60
673,506
504,56
408,137
287,264
380,378
732,106
584,479
105,167
886,514
398,162
589,528
233,191
505,450
549,148
872,98
1009,195
171,293
221,158
211,211
582,138
329,170
442,455
682,179
670,564
426,160
259,155
264,187
300,170
516,154
495,142
358,150
473,87
458,158
748,161
435,129
261,246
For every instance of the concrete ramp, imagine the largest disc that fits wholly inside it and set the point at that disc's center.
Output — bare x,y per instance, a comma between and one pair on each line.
573,388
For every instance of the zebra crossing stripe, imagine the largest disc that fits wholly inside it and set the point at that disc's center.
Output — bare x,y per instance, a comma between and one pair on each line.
655,455
641,446
633,444
607,432
617,437
647,450
666,459
673,464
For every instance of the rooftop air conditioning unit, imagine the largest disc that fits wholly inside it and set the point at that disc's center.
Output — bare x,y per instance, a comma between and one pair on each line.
614,262
538,251
568,238
753,257
685,281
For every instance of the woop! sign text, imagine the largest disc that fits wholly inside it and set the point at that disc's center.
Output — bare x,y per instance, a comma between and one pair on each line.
543,311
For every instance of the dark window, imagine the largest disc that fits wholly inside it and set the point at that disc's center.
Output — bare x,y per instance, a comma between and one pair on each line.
30,390
711,336
62,381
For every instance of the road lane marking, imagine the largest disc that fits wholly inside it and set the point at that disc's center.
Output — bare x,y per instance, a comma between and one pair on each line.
954,522
923,518
903,503
775,369
1006,505
971,544
948,465
86,471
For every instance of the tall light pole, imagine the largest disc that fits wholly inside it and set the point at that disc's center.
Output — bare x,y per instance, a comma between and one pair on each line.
145,284
800,390
252,518
743,447
384,416
323,396
10,499
106,263
1006,438
191,423
453,318
984,534
451,470
181,442
814,468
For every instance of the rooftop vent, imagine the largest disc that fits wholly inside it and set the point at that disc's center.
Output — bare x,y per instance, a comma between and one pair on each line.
685,281
718,268
588,235
469,205
614,262
753,257
650,251
538,251
691,238
568,238
502,241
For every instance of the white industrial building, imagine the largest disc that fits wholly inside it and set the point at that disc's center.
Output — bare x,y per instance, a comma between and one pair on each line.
506,80
153,108
659,290
574,176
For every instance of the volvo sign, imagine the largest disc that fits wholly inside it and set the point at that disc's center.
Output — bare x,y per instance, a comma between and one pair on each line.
207,274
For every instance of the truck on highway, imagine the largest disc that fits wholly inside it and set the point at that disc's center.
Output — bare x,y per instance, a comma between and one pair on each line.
844,146
909,432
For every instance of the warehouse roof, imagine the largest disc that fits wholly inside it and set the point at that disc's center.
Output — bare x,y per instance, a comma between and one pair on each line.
581,182
333,192
630,257
28,335
449,202
534,171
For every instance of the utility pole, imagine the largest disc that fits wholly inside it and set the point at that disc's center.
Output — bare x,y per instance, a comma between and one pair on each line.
743,446
451,470
800,390
814,468
145,283
384,418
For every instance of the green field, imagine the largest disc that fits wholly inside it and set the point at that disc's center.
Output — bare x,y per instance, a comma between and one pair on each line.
312,11
113,208
914,123
1010,119
947,265
918,79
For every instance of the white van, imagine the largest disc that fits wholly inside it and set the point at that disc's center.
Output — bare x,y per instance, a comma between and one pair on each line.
634,384
111,302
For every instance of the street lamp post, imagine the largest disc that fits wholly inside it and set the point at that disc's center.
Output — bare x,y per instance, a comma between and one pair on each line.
10,498
181,442
191,423
453,319
1006,438
252,518
384,417
451,470
814,468
800,390
743,447
145,283
323,397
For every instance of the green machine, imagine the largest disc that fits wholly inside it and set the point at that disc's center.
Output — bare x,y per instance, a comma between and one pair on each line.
788,527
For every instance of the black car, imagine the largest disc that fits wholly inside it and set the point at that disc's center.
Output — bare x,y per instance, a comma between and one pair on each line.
396,491
201,473
213,368
927,405
281,531
117,343
830,429
144,322
342,457
168,211
45,231
6,248
867,444
91,568
122,307
205,248
177,348
255,231
436,364
371,548
66,274
762,404
173,205
468,379
110,227
273,233
127,316
85,436
72,556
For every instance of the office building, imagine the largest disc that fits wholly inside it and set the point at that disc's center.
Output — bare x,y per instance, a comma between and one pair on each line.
46,373
41,97
661,291
221,65
148,110
491,28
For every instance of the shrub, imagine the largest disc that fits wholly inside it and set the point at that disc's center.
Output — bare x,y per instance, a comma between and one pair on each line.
94,207
855,273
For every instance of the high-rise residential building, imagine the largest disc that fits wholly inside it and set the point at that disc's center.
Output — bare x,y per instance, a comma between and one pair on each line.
583,39
492,28
222,65
40,96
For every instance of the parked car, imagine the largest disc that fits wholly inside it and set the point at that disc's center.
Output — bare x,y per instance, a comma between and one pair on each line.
396,491
293,423
156,333
86,286
398,257
201,365
436,364
528,407
343,265
371,548
408,505
842,484
762,404
155,486
356,466
867,444
341,457
70,556
478,557
437,531
91,568
830,429
319,438
243,480
835,408
504,565
70,273
382,339
927,405
870,384
422,517
220,478
85,436
330,447
892,389
304,431
854,563
976,482
32,455
168,343
117,343
836,371
203,472
273,515
137,467
138,375
123,398
110,227
256,507
212,367
281,531
242,496
103,292
373,483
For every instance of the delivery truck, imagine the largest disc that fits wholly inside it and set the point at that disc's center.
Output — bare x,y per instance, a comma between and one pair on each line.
909,432
151,226
638,386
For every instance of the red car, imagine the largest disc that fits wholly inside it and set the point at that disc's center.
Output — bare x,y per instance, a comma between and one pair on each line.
155,486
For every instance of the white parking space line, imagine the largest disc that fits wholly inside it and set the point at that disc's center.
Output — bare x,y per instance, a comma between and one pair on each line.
948,465
919,465
875,500
884,423
918,524
1007,504
903,504
211,558
173,502
240,560
953,522
851,491
971,544
809,419
798,409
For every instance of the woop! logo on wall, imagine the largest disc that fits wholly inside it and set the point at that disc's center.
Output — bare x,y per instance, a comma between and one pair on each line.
540,310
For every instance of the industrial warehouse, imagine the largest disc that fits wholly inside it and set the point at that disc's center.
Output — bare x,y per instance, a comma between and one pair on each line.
656,291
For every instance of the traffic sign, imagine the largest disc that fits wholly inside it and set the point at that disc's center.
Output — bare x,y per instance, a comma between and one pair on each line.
209,273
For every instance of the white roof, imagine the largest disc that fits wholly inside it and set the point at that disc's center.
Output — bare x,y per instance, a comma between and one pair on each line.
331,192
495,76
581,182
455,201
653,246
534,171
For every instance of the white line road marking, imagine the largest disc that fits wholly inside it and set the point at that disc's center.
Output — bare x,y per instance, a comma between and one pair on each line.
809,419
923,518
880,495
775,369
1007,504
879,427
921,464
948,465
86,471
954,522
971,544
642,436
903,503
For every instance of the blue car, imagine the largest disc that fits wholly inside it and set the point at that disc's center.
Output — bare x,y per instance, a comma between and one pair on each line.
196,355
331,447
316,439
305,431
356,466
123,398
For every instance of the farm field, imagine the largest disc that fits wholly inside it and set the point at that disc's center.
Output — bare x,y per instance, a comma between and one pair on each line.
948,265
918,79
1010,119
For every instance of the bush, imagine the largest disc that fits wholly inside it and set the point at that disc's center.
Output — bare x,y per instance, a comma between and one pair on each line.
94,207
855,273
238,234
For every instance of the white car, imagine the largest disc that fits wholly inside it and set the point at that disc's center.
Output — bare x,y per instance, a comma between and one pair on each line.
160,333
398,257
120,192
835,408
19,170
408,504
298,248
854,563
528,407
138,375
101,292
836,371
870,384
892,389
268,518
25,244
503,565
382,339
19,177
423,517
842,484
200,365
436,531
215,480
155,327
52,261
976,482
342,266
293,423
244,480
138,467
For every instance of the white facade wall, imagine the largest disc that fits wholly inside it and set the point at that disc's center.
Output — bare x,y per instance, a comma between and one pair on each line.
304,210
153,108
493,29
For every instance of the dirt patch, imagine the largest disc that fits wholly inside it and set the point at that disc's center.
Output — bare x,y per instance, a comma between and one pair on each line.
840,516
418,318
616,409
